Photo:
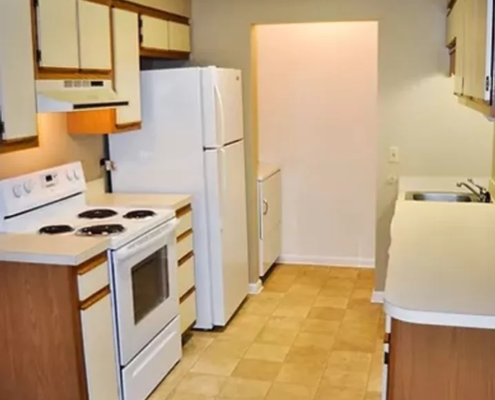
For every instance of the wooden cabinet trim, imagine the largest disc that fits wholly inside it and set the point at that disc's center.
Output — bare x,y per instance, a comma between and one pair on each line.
186,258
72,73
7,146
183,211
184,235
143,10
130,126
92,263
187,295
102,2
100,294
169,54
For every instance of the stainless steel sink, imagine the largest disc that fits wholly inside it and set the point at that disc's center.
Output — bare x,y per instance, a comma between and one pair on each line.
448,197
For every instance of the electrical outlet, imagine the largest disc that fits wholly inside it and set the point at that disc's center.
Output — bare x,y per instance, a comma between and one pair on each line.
393,155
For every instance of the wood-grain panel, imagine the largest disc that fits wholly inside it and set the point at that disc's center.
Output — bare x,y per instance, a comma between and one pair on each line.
168,54
435,362
40,335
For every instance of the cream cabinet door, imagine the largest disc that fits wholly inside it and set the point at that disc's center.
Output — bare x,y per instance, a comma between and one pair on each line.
17,85
155,33
478,48
95,48
58,33
99,351
459,32
179,37
126,64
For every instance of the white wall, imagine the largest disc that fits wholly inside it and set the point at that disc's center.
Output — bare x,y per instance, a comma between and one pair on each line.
417,109
317,107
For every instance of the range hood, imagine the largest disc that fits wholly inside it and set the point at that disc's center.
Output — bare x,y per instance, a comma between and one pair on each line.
76,95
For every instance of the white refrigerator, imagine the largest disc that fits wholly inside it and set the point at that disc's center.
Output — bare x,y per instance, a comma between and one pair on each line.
192,141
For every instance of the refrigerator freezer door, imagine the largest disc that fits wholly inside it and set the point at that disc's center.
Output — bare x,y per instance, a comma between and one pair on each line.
223,107
227,222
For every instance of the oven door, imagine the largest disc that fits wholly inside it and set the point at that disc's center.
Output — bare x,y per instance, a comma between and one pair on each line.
145,287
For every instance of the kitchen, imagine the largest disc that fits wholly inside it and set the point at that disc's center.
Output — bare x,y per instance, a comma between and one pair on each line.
442,138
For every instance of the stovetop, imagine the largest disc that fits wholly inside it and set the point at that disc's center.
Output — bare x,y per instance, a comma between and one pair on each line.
119,224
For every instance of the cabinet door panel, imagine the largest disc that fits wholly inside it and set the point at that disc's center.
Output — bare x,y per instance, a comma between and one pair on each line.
155,33
57,33
478,47
99,351
458,13
180,37
126,64
94,36
17,85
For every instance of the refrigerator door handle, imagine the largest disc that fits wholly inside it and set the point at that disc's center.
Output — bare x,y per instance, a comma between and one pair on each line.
223,184
219,101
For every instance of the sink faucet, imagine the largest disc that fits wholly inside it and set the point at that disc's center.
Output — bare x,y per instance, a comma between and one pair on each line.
482,193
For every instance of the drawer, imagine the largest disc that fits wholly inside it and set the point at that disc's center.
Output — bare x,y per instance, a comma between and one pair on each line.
184,245
186,276
187,310
92,281
185,223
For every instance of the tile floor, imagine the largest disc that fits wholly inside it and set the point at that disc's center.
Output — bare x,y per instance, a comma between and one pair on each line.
311,334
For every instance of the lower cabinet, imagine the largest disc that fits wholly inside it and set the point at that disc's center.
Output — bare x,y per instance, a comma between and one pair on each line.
270,205
429,362
57,336
99,350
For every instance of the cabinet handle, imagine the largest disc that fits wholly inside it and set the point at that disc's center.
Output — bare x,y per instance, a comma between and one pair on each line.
266,207
386,358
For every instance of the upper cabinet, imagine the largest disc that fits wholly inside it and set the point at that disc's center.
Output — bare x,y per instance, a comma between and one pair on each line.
17,88
73,34
470,41
57,34
179,37
95,47
126,65
154,33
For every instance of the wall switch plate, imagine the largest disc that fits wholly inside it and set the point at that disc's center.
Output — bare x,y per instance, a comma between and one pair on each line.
393,155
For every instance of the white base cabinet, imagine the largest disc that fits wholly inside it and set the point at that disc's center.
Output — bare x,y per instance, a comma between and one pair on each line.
99,350
270,205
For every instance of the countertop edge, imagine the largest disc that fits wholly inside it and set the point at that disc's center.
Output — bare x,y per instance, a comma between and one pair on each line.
438,318
54,259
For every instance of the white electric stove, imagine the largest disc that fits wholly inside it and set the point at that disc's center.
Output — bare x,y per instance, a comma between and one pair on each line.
143,265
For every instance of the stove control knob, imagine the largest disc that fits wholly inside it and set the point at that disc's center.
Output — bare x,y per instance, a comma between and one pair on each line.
70,175
28,186
77,175
17,189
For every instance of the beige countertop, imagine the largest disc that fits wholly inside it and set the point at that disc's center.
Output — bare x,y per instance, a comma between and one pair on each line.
441,267
174,201
266,170
44,249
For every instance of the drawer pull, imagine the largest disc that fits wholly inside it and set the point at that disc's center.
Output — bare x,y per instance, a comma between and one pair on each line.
266,207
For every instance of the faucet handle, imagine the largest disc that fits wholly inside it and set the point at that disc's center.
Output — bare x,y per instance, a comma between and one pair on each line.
481,188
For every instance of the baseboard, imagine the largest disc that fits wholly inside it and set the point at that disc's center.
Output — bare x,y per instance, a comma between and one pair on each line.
256,288
327,261
377,297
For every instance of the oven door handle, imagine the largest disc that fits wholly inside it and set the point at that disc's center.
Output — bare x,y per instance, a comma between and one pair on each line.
152,240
